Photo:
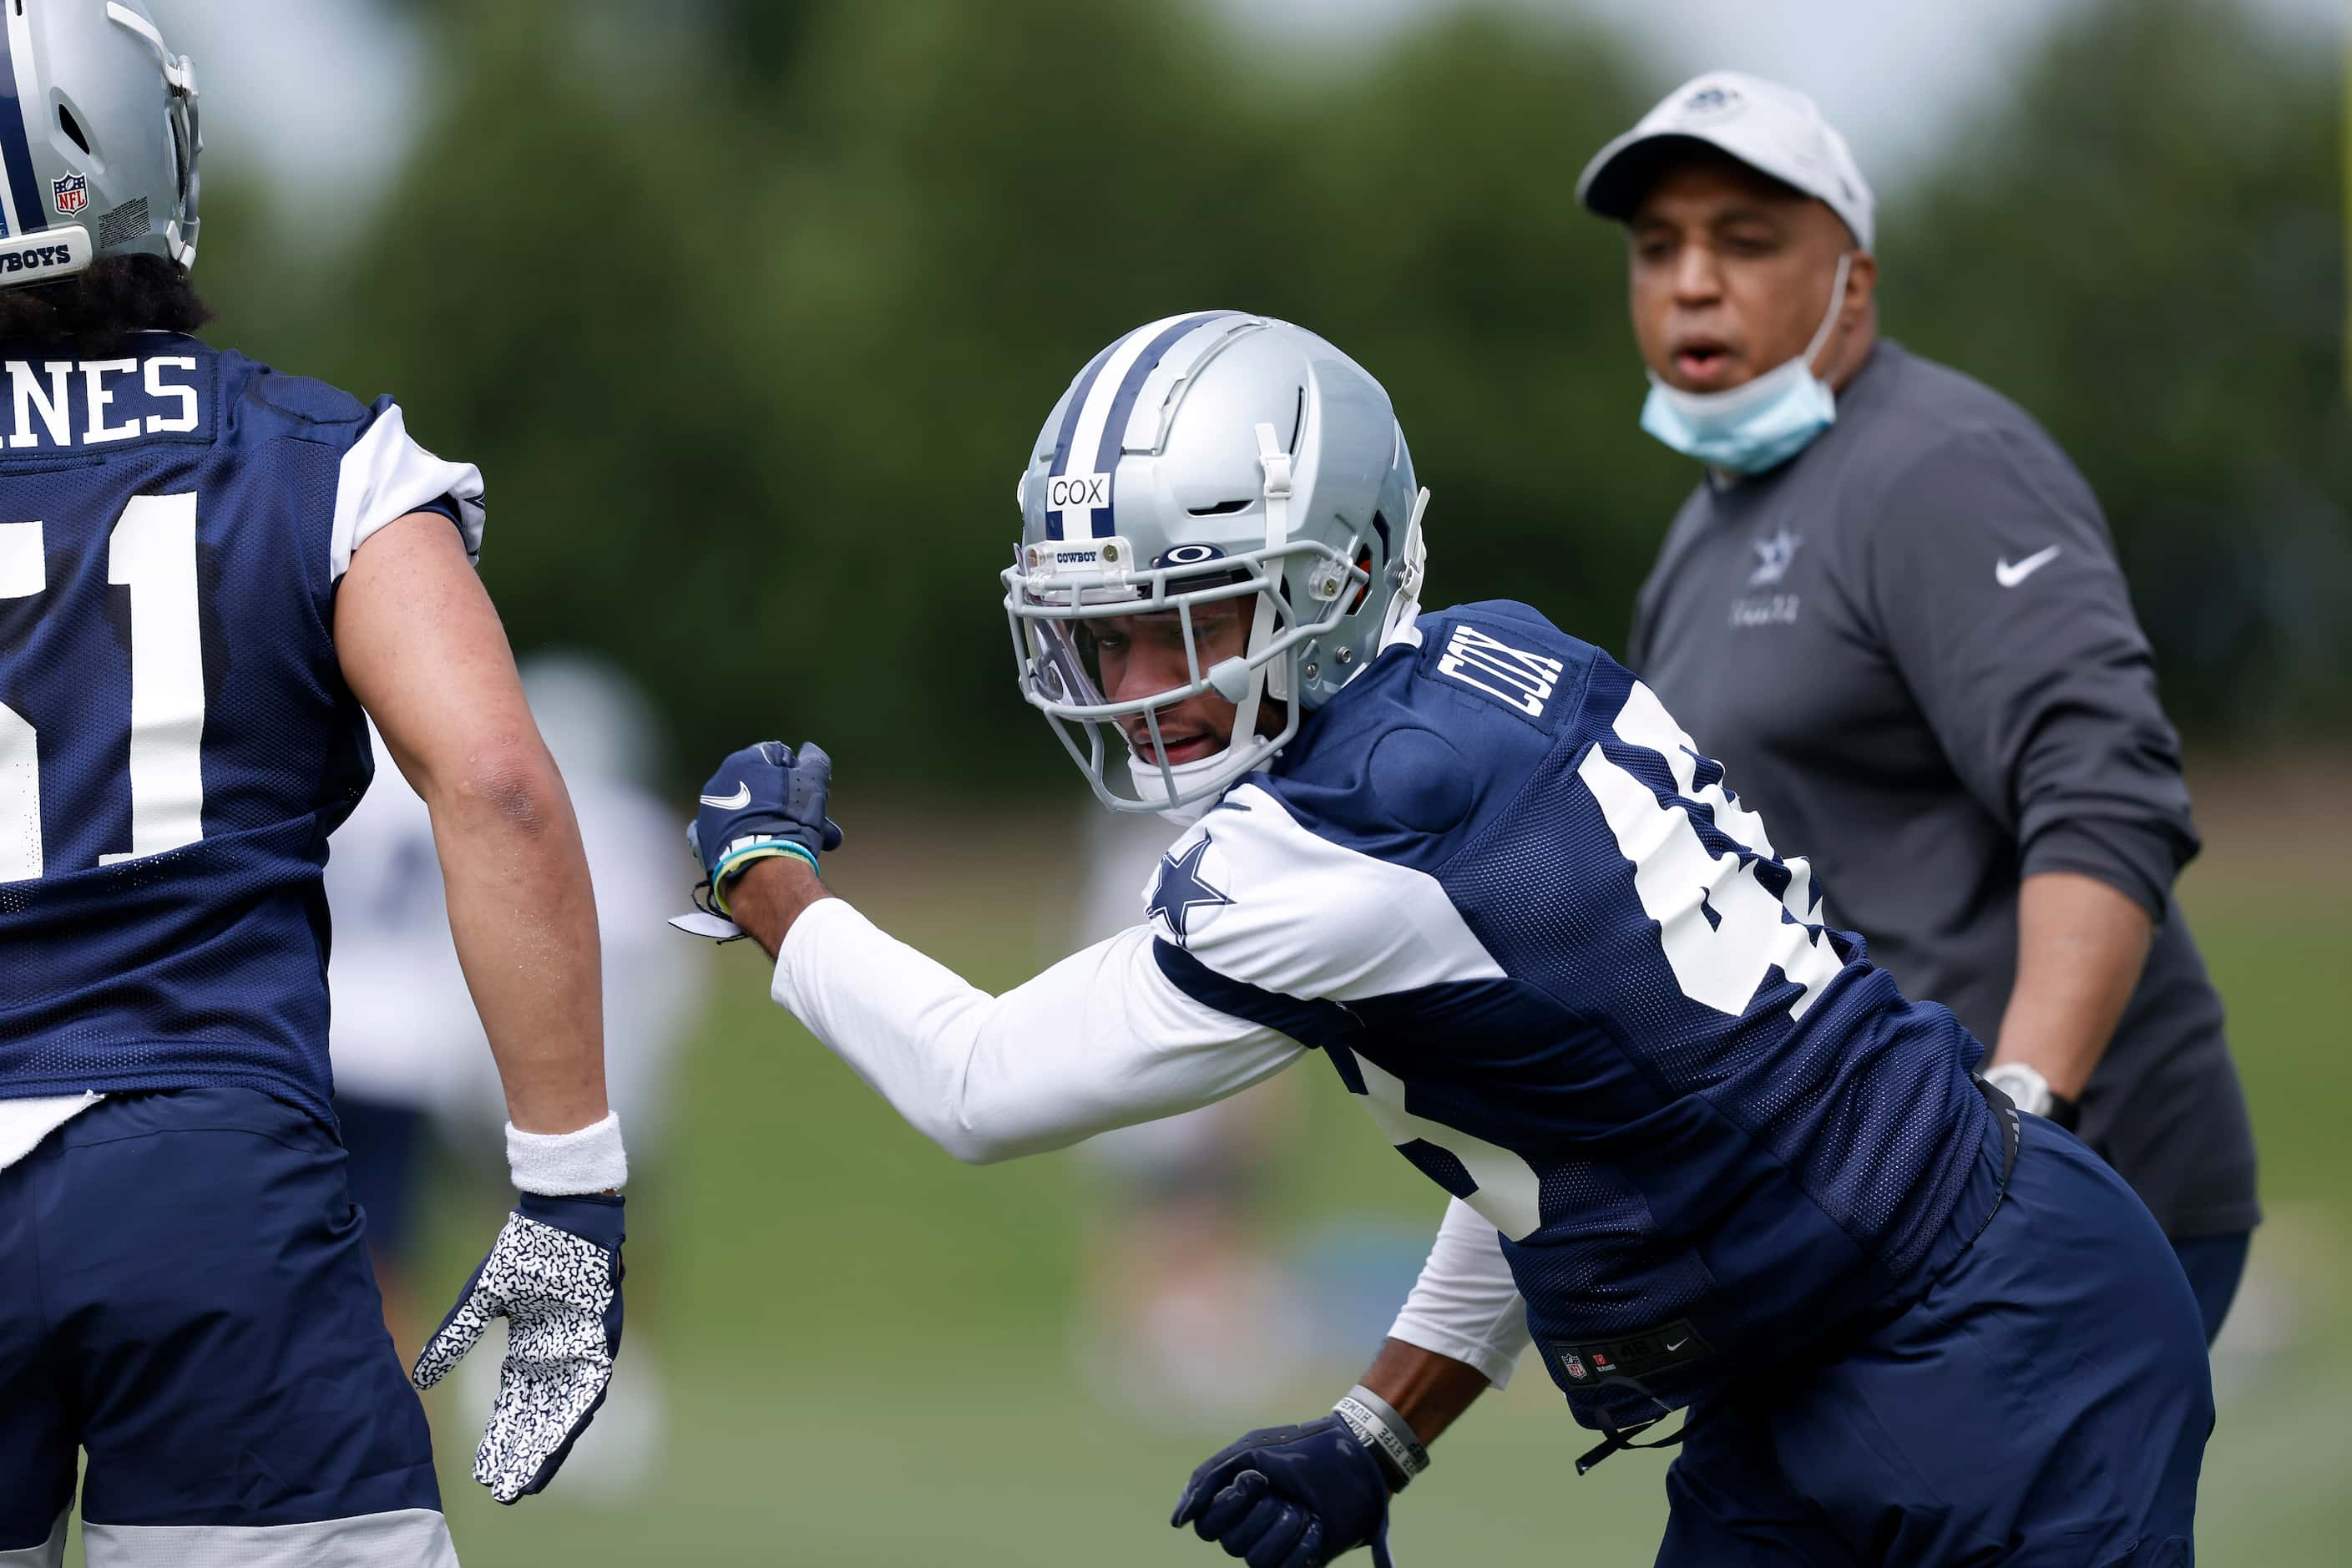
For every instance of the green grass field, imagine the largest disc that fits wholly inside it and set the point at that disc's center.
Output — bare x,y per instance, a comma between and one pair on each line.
868,1345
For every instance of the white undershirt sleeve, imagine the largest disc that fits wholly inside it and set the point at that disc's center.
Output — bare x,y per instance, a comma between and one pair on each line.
385,474
1466,1304
1100,1040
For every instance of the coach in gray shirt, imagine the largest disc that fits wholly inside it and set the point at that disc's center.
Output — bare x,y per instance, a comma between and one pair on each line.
1891,609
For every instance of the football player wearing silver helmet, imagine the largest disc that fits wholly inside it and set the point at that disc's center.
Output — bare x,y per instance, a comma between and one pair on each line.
1251,564
1700,1155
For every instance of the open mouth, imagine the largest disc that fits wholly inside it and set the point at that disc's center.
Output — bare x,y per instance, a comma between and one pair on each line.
1183,746
1702,362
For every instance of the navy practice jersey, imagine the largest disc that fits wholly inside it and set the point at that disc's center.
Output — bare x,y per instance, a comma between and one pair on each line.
176,740
1561,963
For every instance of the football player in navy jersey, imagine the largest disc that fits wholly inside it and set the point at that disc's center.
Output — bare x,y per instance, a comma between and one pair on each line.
1698,1152
207,571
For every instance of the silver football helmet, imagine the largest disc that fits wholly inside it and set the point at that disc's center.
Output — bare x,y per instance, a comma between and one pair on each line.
1199,461
98,142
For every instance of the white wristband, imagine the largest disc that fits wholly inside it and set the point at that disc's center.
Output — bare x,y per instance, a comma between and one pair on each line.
568,1164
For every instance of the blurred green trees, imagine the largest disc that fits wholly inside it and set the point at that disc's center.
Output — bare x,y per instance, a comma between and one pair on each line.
2146,248
749,316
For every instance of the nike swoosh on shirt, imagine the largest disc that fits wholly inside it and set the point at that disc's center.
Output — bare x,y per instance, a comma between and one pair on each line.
1676,1345
736,801
2010,576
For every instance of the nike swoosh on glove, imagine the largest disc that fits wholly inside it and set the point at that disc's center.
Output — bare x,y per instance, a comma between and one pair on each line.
1291,1497
554,1274
764,795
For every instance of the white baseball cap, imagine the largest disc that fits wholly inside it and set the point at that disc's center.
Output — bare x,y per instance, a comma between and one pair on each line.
1772,129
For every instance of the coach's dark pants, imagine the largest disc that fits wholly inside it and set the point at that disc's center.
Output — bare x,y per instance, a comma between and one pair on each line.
2047,1402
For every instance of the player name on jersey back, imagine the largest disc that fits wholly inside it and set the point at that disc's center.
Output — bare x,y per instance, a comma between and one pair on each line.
90,404
1521,680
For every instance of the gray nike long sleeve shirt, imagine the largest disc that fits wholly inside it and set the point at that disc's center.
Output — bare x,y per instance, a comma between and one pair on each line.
1912,649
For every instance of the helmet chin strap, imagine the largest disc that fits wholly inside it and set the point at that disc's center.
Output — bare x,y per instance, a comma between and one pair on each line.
1272,679
1413,565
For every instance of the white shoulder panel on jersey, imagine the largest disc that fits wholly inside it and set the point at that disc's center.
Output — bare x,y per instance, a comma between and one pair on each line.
1274,905
385,475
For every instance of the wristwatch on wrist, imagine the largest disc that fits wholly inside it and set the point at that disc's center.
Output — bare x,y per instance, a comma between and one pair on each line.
2031,1093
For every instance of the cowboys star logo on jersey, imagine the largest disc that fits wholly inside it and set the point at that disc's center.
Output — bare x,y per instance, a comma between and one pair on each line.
1181,895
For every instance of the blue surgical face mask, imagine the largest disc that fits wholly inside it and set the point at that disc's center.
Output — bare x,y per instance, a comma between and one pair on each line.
1760,424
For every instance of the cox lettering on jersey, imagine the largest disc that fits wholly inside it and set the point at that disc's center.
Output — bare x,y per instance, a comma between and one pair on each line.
1511,676
62,403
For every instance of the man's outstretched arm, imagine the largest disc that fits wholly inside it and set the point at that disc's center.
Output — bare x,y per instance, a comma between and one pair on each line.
1100,1040
425,654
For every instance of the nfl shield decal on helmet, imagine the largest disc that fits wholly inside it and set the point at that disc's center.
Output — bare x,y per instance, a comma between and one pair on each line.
71,192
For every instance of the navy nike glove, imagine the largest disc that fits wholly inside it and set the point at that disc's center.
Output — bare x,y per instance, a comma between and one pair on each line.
764,800
554,1274
1291,1497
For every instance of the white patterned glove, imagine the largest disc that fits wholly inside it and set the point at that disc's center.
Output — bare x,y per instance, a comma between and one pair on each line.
554,1274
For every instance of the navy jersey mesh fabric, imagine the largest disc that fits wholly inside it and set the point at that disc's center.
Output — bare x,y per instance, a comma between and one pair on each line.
203,962
1765,1170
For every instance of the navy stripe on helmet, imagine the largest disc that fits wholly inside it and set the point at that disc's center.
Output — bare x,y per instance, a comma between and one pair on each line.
1114,433
32,208
1079,389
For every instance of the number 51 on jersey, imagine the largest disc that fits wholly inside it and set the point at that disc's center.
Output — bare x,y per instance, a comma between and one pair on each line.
152,552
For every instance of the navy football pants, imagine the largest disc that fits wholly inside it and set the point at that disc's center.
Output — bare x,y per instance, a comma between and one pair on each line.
185,1294
2047,1402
